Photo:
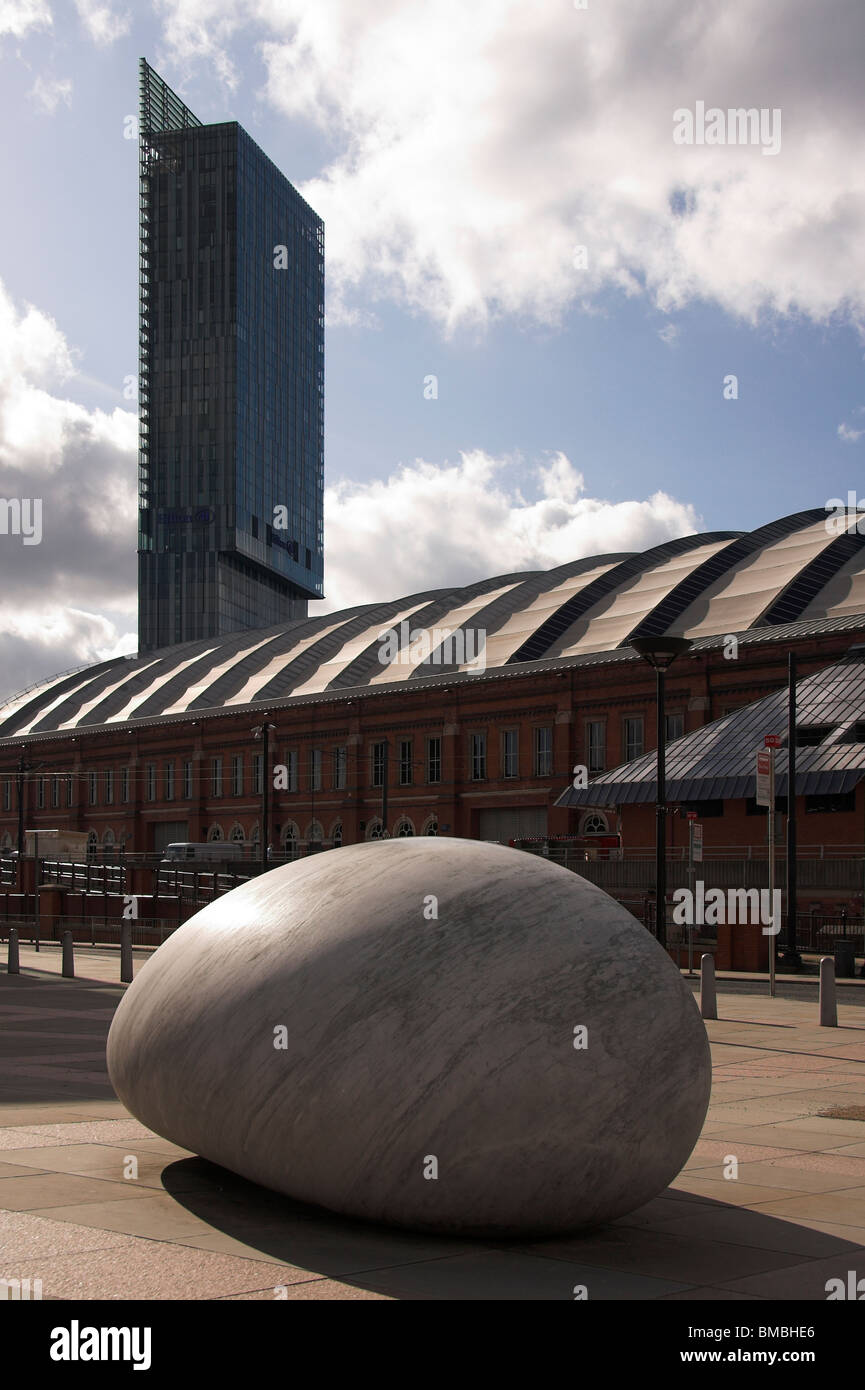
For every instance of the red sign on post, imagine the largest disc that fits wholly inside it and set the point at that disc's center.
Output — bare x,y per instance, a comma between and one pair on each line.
764,777
772,740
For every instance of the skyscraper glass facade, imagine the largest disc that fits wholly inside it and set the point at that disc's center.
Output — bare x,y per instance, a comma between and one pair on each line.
231,381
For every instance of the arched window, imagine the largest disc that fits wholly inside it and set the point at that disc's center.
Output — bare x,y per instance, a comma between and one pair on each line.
92,843
594,823
314,832
108,837
375,830
289,839
6,842
215,833
336,835
237,833
431,826
256,834
404,827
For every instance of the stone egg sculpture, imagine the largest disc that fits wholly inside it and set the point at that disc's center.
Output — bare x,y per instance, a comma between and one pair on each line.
440,1034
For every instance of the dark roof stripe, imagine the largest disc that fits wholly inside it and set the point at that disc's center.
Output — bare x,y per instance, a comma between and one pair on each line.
791,603
744,545
580,604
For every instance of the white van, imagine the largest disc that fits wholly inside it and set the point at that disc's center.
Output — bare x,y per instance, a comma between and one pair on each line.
182,851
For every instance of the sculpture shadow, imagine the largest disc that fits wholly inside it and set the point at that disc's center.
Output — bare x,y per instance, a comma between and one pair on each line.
674,1244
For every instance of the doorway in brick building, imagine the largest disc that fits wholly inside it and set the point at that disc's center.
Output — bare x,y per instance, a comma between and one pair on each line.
508,823
169,832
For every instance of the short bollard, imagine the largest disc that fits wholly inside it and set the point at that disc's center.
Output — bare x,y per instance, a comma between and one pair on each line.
828,1006
708,994
68,958
126,953
13,968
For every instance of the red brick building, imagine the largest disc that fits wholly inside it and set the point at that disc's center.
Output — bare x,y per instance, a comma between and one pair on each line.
456,712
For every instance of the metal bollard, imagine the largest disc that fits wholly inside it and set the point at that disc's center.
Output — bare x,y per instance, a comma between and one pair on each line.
13,968
126,953
68,957
708,993
828,1005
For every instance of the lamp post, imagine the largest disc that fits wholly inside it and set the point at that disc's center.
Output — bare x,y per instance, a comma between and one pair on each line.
661,652
262,731
790,958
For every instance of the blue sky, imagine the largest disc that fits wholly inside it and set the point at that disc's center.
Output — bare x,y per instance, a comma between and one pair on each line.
458,157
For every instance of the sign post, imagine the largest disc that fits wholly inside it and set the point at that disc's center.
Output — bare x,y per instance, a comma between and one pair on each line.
766,797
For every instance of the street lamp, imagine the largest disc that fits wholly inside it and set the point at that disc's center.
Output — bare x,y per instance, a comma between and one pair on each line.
661,652
262,731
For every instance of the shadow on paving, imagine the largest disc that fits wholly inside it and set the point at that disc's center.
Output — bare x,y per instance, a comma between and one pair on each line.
637,1257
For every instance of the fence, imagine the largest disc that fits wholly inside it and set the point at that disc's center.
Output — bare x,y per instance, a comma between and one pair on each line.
89,931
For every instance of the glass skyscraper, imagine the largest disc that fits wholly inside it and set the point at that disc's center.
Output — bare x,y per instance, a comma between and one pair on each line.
231,381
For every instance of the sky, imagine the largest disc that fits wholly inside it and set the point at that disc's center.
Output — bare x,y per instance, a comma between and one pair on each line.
634,334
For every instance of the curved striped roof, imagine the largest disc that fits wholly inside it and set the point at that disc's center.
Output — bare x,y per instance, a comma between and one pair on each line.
796,568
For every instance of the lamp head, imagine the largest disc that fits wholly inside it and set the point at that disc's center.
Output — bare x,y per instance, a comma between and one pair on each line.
660,652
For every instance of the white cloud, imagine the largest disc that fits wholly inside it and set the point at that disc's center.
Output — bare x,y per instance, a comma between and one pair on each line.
48,93
19,16
71,598
669,333
101,22
848,433
478,144
432,525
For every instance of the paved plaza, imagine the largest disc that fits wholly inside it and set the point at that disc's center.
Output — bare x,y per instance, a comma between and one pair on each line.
77,1213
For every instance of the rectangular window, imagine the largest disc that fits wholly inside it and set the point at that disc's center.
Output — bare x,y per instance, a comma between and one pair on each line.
124,784
478,756
55,791
543,751
596,745
7,795
237,775
315,769
828,805
69,789
510,753
405,762
151,781
92,788
216,777
40,792
109,787
377,759
169,781
257,773
675,726
706,810
291,770
187,780
434,759
339,767
633,731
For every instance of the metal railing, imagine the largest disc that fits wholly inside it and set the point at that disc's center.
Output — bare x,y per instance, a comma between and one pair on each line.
88,931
